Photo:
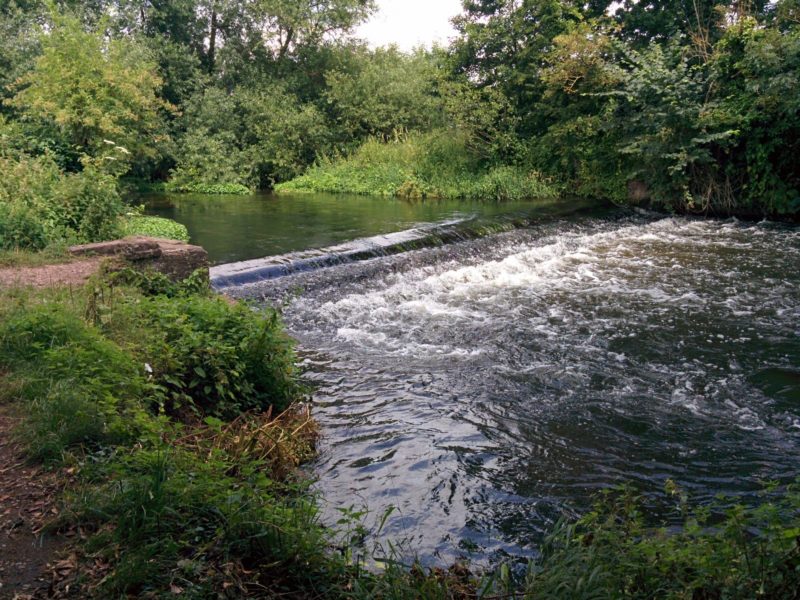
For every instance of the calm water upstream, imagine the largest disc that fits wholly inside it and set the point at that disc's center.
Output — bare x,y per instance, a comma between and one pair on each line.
235,228
486,386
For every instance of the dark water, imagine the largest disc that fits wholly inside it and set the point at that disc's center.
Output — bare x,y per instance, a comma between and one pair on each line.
237,228
485,387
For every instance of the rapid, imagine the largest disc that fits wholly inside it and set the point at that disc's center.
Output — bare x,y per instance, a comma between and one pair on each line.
486,387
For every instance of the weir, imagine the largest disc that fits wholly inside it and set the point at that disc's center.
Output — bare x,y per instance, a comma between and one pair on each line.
459,228
439,234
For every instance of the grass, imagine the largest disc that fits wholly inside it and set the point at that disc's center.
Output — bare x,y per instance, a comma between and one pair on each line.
718,551
177,474
437,165
53,254
181,418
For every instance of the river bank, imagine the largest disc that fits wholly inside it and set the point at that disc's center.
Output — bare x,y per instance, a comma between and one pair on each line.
161,424
183,482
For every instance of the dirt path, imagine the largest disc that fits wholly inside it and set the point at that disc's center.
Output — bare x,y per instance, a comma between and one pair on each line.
28,500
71,273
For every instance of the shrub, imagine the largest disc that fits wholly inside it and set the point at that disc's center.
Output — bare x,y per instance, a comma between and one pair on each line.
20,228
87,205
213,358
40,205
157,284
154,227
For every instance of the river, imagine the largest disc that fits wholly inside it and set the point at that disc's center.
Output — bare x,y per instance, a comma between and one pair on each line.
486,386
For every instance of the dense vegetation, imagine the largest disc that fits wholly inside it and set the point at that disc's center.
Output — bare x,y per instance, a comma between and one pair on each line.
691,106
165,400
174,412
433,165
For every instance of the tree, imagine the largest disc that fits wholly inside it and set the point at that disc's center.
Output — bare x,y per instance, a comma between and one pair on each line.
94,91
502,44
247,34
18,45
253,136
382,91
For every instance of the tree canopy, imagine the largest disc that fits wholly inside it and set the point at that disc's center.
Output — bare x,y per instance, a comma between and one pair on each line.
690,102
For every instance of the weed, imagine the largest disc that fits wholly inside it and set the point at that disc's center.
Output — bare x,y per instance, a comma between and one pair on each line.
154,227
209,188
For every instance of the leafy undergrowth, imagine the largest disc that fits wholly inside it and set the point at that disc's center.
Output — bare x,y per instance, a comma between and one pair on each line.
186,187
179,416
437,165
154,227
208,188
712,552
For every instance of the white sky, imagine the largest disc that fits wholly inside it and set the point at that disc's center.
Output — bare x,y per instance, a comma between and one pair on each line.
410,23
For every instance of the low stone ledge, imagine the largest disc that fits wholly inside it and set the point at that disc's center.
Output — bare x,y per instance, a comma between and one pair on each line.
130,248
177,260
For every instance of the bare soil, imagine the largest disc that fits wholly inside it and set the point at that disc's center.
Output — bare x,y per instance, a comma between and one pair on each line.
72,273
28,502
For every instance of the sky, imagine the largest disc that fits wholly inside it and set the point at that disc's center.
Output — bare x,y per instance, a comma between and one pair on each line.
410,23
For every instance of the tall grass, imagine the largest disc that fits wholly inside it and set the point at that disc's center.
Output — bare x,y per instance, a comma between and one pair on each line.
434,165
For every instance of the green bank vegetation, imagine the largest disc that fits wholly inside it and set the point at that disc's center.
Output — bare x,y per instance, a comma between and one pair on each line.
686,107
138,224
435,165
180,417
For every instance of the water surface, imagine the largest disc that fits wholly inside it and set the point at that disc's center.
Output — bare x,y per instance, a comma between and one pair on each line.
237,228
486,387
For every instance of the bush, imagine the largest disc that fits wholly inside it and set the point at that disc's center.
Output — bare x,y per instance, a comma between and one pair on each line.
437,165
80,388
154,227
157,284
21,228
190,354
195,505
87,205
211,358
40,205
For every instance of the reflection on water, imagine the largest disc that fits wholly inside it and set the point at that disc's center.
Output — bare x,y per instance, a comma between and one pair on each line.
236,228
485,387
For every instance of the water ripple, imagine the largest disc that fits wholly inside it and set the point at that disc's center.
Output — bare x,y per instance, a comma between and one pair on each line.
487,387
